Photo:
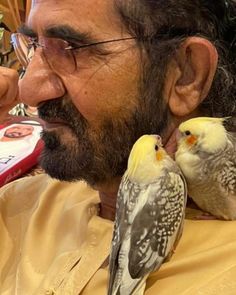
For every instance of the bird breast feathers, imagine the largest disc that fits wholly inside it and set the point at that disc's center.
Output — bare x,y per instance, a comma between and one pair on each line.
188,162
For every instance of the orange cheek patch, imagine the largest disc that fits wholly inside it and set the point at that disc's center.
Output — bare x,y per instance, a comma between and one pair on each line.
159,155
191,140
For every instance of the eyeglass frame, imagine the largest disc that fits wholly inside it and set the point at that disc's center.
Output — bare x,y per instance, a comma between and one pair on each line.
35,44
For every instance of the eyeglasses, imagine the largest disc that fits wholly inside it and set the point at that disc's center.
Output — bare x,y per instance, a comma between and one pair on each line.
59,53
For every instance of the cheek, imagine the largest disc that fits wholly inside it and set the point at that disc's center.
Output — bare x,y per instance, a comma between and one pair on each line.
104,92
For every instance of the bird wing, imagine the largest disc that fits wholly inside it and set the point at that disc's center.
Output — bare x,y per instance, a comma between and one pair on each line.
128,195
158,225
226,175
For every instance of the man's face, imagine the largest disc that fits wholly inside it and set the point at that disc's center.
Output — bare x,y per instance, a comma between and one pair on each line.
95,111
18,131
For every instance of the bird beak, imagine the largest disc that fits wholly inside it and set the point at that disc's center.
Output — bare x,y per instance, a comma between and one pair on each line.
160,155
191,140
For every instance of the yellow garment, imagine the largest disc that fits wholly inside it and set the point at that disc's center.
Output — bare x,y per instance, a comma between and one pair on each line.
52,242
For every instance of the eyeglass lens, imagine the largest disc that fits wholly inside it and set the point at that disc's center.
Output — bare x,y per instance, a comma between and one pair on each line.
54,51
58,57
21,47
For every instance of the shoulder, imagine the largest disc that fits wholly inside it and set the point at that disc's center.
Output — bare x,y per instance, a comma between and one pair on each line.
27,192
206,251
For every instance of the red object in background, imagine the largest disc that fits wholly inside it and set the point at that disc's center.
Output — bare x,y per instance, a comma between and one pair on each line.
20,147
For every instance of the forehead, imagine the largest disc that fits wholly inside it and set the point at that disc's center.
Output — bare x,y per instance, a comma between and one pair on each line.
94,16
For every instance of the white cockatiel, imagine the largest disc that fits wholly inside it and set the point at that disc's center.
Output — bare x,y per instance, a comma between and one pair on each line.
207,156
149,216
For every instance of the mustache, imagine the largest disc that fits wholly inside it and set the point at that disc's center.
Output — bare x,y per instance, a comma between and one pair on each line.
63,110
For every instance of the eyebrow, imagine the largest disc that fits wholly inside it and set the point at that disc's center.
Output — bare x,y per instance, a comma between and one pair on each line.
25,30
64,32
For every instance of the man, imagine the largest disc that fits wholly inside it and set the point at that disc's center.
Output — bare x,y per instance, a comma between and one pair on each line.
16,132
17,141
10,152
154,64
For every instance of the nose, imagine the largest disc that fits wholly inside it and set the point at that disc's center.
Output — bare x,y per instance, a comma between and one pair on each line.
39,83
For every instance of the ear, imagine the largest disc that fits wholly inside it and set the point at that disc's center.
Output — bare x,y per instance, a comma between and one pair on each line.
190,75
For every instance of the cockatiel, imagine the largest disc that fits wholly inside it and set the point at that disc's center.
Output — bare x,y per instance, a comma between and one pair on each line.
149,216
207,156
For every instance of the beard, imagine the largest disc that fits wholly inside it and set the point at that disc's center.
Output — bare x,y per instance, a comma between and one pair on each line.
92,154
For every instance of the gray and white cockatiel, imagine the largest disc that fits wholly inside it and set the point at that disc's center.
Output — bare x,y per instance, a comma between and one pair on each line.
149,216
207,157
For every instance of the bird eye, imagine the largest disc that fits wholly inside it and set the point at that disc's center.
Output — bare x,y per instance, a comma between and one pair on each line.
187,132
156,147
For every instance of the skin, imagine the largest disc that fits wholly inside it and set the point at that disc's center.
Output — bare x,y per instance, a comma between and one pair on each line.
116,75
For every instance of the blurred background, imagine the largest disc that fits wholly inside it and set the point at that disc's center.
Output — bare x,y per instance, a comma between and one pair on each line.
13,13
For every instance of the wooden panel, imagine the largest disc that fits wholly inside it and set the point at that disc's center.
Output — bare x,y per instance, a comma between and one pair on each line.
13,15
28,6
12,10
